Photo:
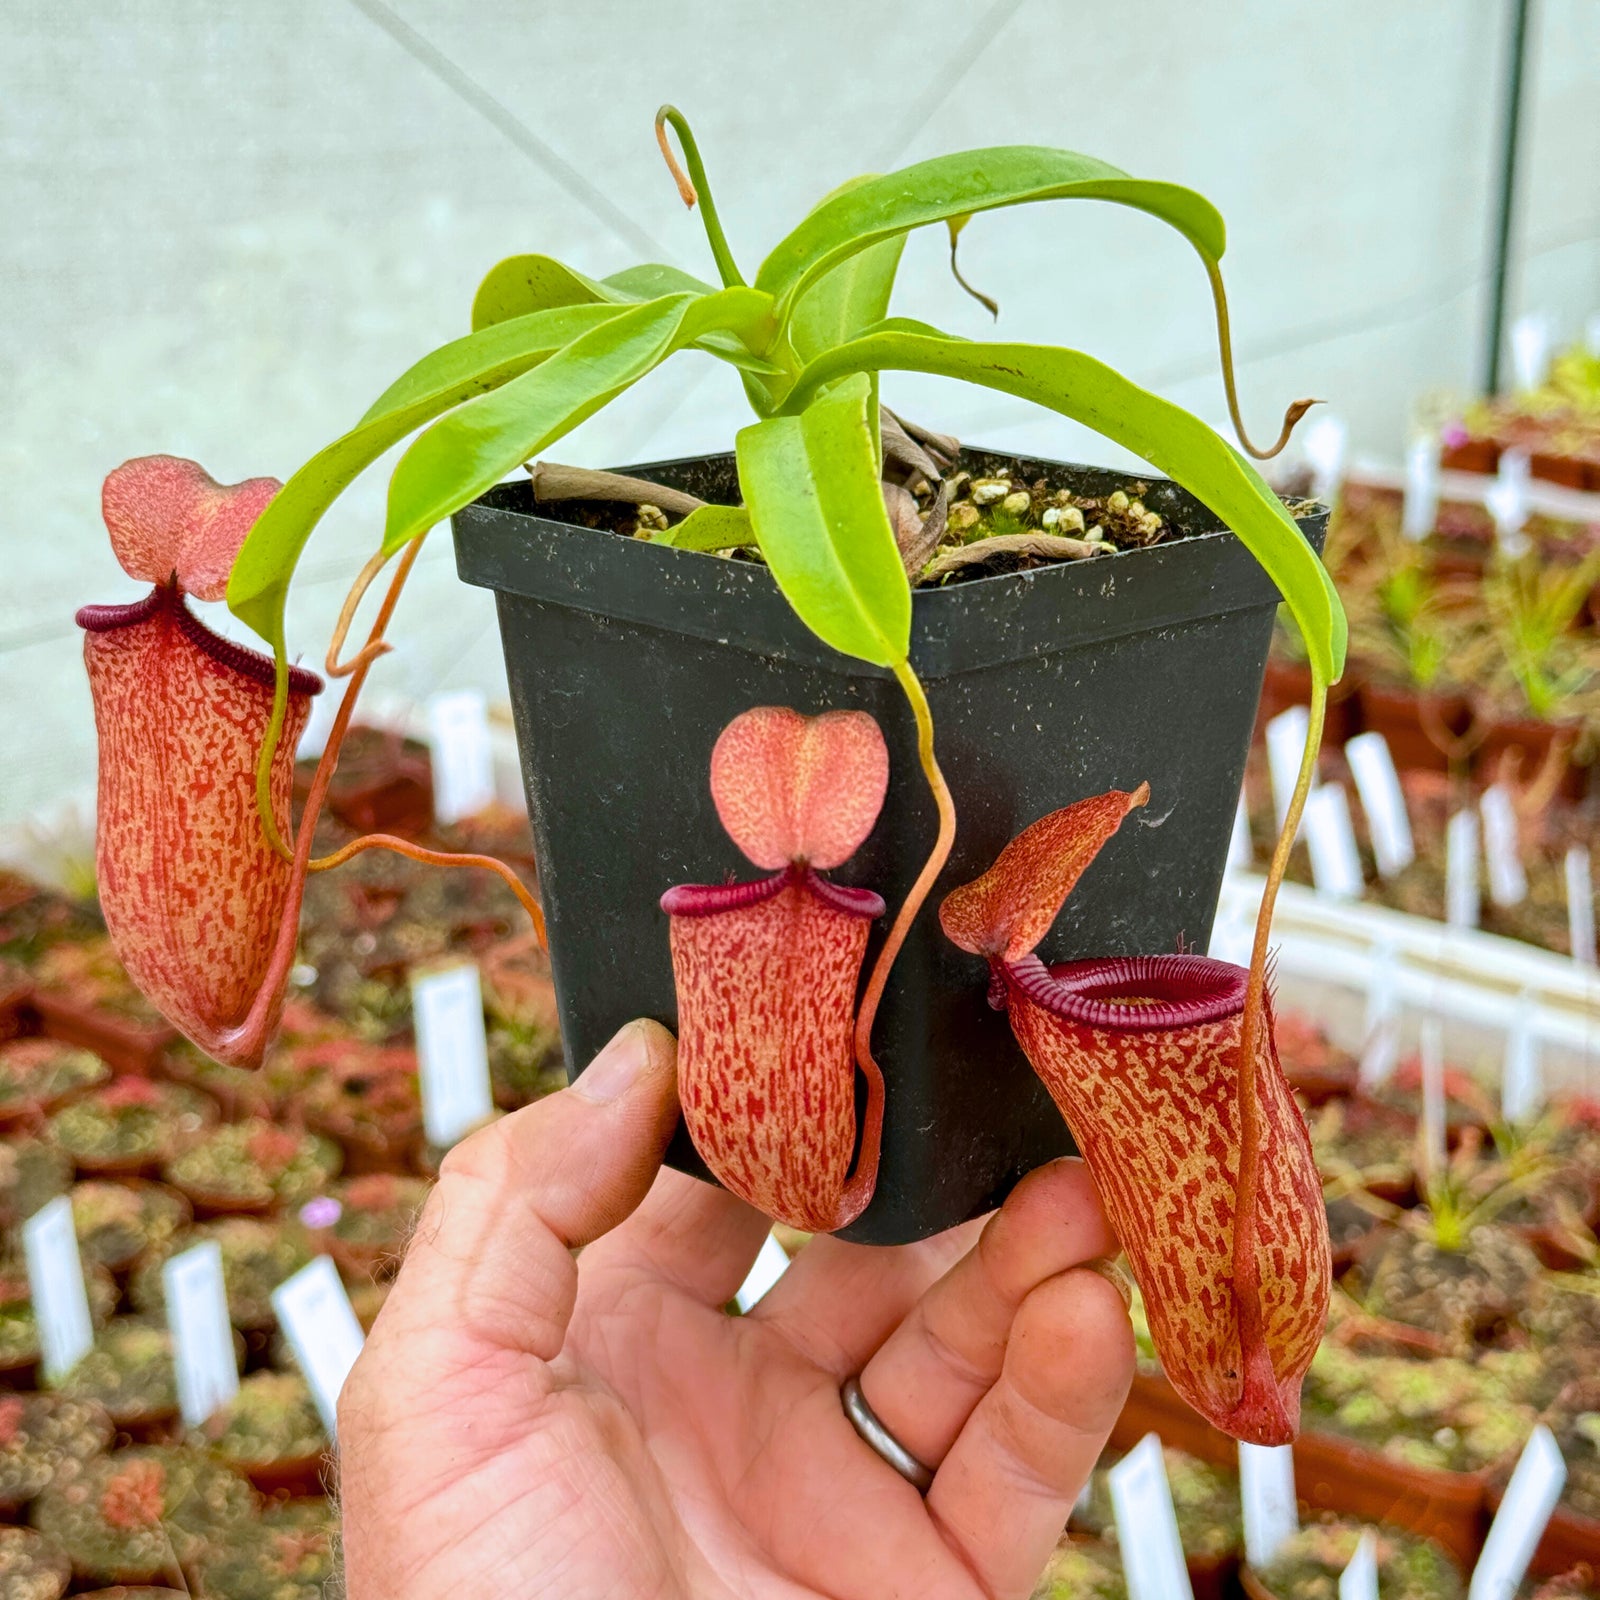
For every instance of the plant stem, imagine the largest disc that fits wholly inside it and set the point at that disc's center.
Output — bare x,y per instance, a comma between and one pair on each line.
437,858
931,869
1255,991
694,186
1295,411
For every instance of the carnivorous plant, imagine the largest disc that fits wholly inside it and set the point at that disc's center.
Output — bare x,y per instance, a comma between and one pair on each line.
1163,1066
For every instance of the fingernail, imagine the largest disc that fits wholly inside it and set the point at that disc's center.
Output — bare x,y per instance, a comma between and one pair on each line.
613,1072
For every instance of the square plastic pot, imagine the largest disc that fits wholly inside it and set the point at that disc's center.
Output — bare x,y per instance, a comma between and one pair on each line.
627,659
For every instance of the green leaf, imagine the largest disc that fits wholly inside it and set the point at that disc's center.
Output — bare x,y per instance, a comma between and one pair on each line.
811,485
842,303
710,528
520,284
652,279
956,185
1168,437
473,448
259,582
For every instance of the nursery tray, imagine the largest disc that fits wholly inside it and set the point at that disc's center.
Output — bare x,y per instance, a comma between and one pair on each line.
1331,1474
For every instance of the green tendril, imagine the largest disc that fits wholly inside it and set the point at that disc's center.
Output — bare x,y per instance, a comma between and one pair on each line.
695,188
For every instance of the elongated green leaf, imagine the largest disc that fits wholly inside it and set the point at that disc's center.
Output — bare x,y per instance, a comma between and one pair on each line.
652,279
710,528
843,303
259,583
521,284
811,485
473,448
480,361
1168,437
956,185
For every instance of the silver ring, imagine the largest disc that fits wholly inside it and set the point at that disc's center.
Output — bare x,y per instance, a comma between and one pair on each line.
873,1433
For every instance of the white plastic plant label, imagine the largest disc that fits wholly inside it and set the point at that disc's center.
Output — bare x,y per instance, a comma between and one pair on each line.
1383,801
463,754
1507,500
1531,335
768,1267
1461,869
1433,1103
1266,1491
1335,861
1326,444
202,1336
1520,1522
1521,1075
55,1281
317,1319
1508,883
1147,1525
1359,1580
1240,852
452,1052
1419,510
1580,904
1286,748
1380,1048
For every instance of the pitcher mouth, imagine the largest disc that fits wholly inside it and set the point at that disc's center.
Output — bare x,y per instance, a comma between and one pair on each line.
1133,994
706,899
168,597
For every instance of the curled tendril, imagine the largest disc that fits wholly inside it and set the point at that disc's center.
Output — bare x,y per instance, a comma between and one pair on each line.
1295,411
988,302
364,657
695,188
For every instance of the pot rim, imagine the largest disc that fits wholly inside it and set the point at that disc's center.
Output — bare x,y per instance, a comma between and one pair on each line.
981,622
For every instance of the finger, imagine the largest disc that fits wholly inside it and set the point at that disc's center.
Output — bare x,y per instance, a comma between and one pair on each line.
694,1235
839,1301
1004,1491
936,1366
491,1259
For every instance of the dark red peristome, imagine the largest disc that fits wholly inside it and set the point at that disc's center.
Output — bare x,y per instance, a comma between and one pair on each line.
767,972
1142,1056
193,894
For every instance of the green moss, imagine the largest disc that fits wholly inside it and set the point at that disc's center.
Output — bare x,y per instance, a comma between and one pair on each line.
1083,1571
126,1516
32,1567
1310,1563
129,1372
40,1071
115,1221
38,1434
289,1553
377,1213
32,1173
1450,1414
254,1163
272,1419
524,1062
132,1119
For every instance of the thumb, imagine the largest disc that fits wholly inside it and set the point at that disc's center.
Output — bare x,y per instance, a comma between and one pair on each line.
492,1254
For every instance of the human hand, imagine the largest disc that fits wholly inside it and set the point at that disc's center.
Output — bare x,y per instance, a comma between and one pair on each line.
525,1424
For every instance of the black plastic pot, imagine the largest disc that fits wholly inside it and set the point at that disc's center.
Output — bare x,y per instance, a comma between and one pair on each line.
626,660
